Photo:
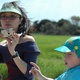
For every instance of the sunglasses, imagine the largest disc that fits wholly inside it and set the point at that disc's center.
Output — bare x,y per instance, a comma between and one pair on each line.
12,17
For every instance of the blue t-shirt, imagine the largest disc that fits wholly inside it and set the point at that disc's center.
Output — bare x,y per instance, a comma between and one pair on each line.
28,52
70,74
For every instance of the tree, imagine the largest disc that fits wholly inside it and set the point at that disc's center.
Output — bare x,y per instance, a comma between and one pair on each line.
75,20
43,22
35,25
63,22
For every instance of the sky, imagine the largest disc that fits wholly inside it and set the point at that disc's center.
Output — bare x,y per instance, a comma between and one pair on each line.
49,9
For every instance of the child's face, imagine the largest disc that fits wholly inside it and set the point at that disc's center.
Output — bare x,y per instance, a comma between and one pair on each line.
71,59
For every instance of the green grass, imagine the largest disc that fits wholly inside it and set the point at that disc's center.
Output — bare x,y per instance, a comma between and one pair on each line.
50,62
3,70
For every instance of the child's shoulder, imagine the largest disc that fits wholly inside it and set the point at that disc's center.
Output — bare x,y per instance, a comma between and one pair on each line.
30,38
27,38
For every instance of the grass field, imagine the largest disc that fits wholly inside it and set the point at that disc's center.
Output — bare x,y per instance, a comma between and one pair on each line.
50,62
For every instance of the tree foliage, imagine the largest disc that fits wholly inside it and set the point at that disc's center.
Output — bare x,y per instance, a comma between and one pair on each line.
62,27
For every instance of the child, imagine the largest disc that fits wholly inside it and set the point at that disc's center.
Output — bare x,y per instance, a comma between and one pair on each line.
71,50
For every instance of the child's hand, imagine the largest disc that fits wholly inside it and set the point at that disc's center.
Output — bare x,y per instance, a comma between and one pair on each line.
35,70
37,73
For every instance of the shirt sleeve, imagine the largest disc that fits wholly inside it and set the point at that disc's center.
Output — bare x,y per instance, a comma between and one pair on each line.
1,59
30,54
31,58
60,77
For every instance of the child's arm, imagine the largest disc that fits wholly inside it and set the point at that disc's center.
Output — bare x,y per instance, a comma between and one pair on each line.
37,73
42,77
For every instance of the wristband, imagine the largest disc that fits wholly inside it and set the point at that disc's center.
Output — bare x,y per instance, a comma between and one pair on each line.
16,55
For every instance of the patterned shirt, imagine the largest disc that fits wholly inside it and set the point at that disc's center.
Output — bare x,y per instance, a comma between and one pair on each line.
70,74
